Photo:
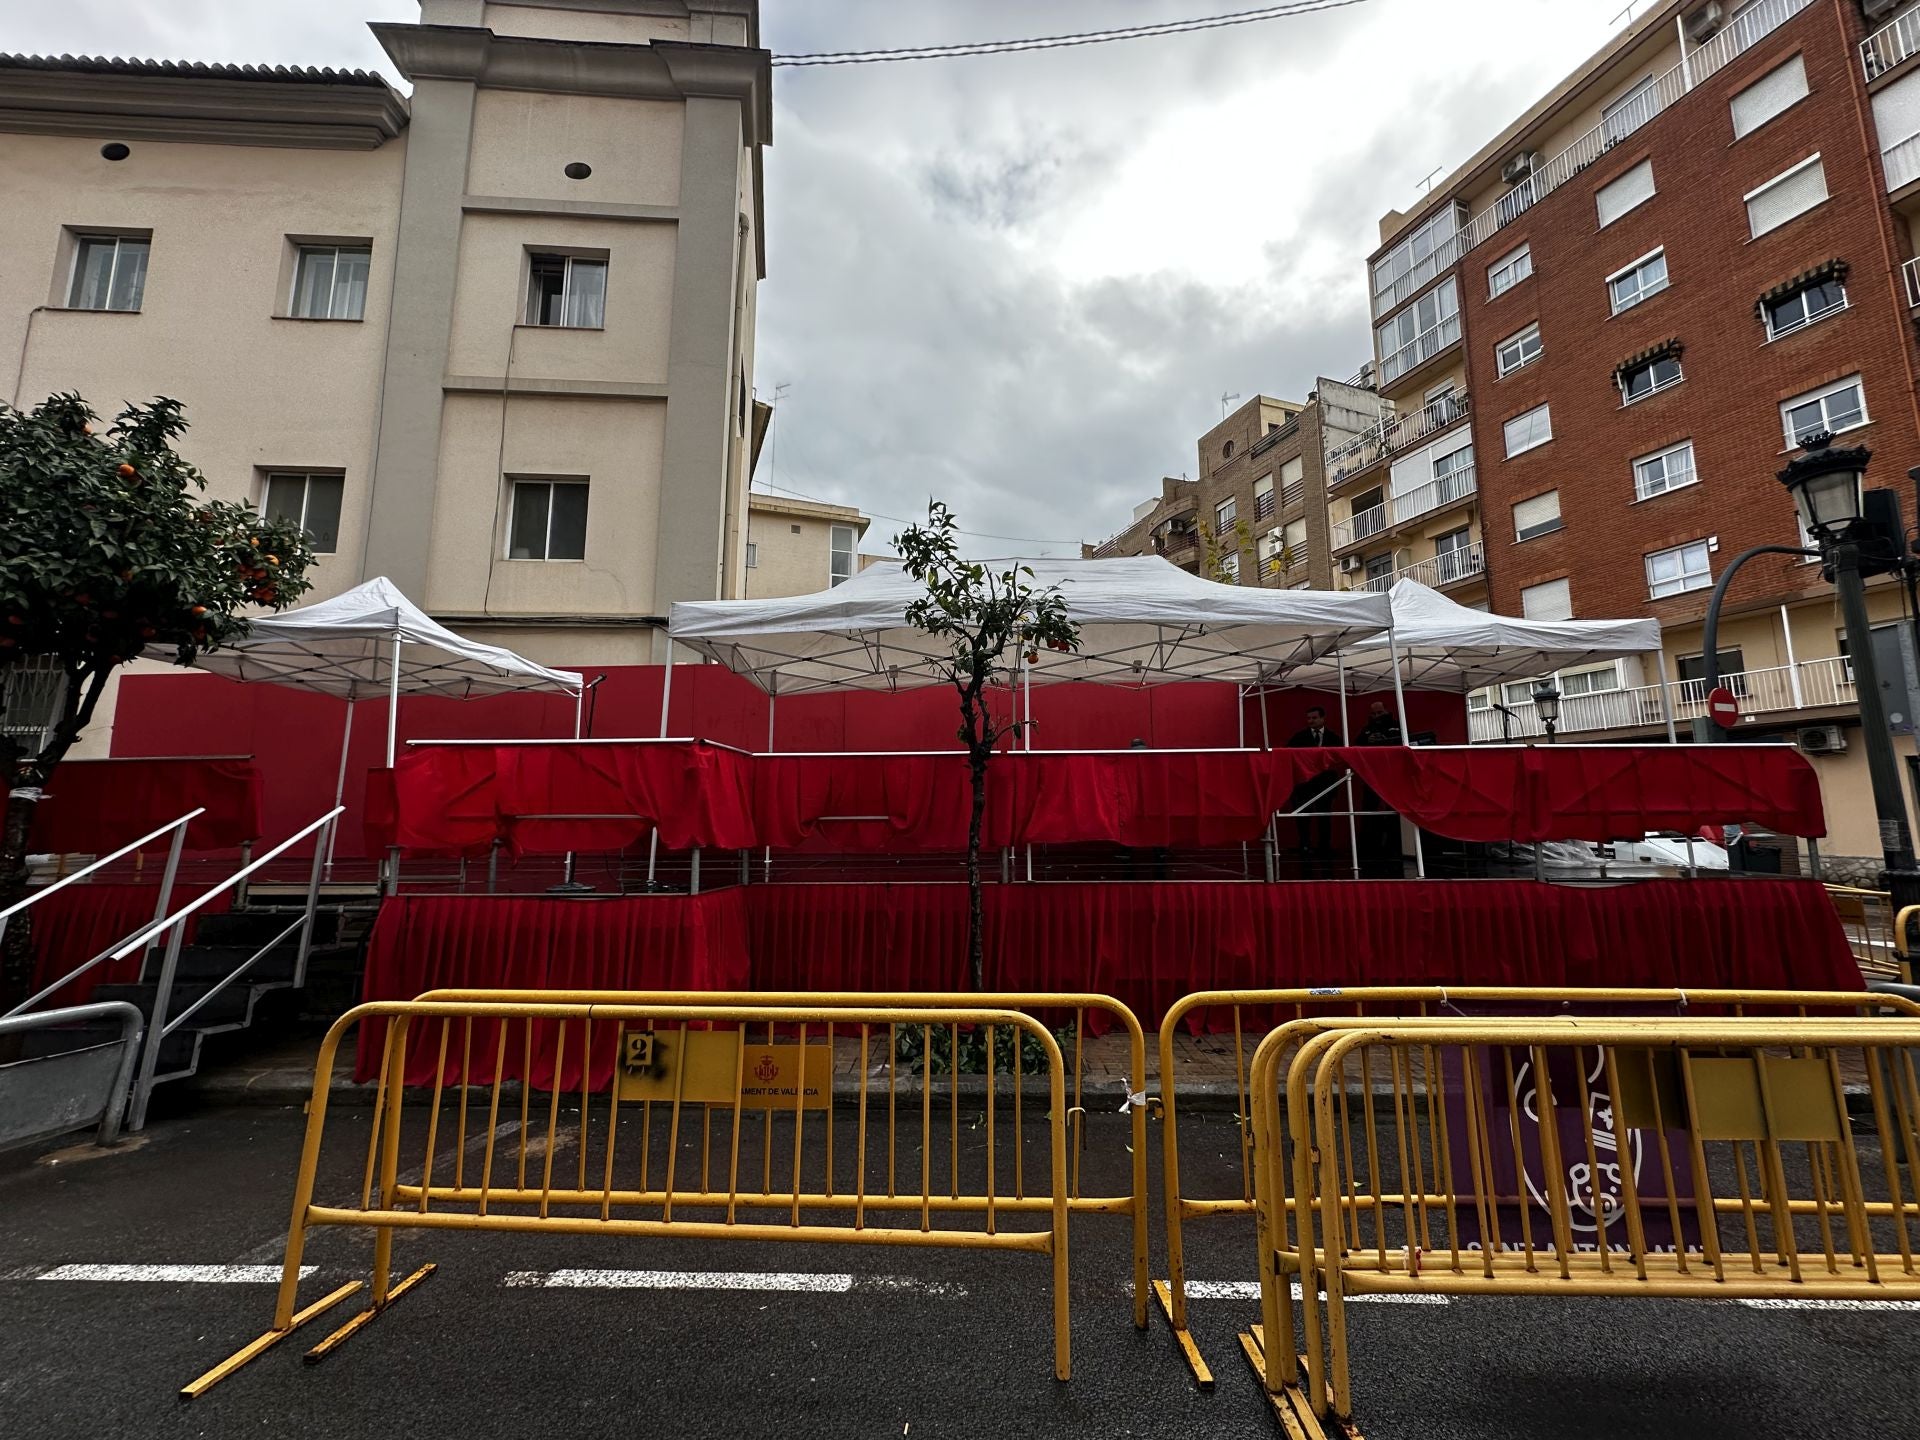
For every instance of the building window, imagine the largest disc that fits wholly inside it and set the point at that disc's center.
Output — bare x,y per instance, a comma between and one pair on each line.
1676,571
308,500
1537,516
1453,556
1549,600
1793,193
1806,305
1630,111
1292,480
753,556
1509,270
840,567
1519,350
109,272
1379,567
1631,190
1263,498
1664,470
1417,259
1832,408
1781,88
1230,568
1693,674
1224,515
568,291
330,282
1644,277
1529,431
1589,682
1650,376
549,520
1420,331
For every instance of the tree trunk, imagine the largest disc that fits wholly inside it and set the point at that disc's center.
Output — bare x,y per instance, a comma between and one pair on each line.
16,947
976,919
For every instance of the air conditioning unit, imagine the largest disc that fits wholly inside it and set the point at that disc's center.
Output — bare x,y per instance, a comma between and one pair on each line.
1519,167
1879,9
1821,740
1704,23
1351,565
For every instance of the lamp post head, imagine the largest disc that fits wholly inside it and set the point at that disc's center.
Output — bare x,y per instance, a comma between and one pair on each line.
1826,486
1546,703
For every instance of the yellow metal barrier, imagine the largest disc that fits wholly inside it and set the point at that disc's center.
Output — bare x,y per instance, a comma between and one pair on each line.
764,1068
1404,1000
1874,933
1570,1156
1133,1204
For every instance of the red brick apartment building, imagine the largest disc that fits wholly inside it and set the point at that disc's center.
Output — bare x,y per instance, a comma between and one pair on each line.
1602,335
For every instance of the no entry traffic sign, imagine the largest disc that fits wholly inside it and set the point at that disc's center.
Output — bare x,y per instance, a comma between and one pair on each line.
1723,708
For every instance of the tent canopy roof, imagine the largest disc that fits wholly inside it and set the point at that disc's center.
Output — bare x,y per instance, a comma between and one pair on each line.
1451,647
1142,620
344,646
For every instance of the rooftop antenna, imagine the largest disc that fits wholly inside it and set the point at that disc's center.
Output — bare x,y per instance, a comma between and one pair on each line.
1225,401
1627,14
1427,184
780,388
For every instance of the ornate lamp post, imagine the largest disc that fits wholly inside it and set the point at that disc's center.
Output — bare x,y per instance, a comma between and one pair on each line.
1546,704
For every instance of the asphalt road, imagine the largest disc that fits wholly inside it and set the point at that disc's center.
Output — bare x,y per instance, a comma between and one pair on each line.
919,1343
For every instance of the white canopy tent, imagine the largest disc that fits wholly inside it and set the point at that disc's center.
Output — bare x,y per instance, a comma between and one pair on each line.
371,642
1142,620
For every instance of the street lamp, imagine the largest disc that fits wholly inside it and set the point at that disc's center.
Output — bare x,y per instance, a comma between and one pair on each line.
1827,486
1546,704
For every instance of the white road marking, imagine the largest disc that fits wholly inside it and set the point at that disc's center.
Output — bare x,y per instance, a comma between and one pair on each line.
1250,1290
787,1281
174,1274
1790,1304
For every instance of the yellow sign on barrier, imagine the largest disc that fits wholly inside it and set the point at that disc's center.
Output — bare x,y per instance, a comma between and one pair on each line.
704,1067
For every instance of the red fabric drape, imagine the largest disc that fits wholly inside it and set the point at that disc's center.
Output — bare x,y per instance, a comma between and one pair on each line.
420,943
94,806
80,921
1146,945
457,799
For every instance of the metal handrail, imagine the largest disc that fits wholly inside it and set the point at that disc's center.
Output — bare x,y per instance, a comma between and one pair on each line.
174,926
179,827
130,1021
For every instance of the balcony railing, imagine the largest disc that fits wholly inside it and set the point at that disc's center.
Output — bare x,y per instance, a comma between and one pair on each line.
1263,505
1911,270
1435,262
1398,509
1781,689
1449,567
1887,47
1422,348
1902,163
1732,41
1393,434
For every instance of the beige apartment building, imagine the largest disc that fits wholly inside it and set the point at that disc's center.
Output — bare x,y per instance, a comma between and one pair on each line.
1258,514
492,339
1633,304
798,547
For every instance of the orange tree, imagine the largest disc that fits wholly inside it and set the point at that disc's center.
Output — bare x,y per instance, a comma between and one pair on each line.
108,554
988,618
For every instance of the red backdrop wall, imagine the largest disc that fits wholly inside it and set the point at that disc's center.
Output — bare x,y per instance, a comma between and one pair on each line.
294,735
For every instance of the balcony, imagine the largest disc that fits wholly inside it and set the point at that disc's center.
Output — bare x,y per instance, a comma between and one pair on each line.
1398,509
1264,506
1709,59
1887,47
1393,434
1422,348
1449,567
1780,690
1902,163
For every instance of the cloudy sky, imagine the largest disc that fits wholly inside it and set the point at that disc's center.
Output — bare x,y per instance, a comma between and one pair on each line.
1021,284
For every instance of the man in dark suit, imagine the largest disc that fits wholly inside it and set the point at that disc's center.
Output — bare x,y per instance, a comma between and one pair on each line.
1314,823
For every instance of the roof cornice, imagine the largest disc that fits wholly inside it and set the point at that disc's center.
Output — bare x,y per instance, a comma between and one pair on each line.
203,106
664,69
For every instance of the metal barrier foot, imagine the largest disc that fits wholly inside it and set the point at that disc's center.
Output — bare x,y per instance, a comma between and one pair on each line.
1291,1406
366,1317
1202,1376
257,1347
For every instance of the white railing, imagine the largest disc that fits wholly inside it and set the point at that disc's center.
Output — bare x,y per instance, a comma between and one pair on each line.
1393,434
1449,567
1397,509
1422,348
1887,47
1911,270
1902,163
1809,685
1435,262
1733,41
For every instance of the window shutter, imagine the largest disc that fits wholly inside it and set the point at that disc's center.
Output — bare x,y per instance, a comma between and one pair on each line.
1631,189
1530,517
1772,206
1552,600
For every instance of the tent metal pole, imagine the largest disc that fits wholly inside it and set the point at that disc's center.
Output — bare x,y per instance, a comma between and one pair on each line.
1666,696
340,783
1353,824
1026,732
393,703
1399,693
666,699
579,712
1240,693
773,688
1266,740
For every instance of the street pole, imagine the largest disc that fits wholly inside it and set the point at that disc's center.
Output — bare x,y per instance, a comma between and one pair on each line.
1889,803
